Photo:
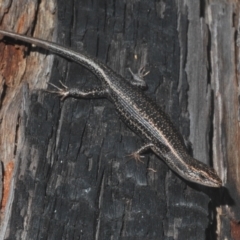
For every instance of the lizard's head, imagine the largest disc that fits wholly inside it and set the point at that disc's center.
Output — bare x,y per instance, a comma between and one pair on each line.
204,175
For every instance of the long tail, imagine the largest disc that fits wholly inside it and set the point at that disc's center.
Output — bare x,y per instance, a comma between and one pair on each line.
82,58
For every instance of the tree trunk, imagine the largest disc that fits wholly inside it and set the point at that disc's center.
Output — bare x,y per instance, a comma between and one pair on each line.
67,173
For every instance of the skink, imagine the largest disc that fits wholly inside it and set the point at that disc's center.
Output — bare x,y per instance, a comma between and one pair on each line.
137,110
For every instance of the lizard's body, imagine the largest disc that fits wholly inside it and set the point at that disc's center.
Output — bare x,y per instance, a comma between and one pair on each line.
138,111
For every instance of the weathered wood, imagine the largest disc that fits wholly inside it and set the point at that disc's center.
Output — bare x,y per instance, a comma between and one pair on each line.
72,177
223,21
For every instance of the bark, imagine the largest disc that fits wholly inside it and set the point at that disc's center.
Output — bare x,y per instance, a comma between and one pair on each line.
67,173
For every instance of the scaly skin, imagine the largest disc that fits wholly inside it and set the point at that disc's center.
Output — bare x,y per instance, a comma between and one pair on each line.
137,110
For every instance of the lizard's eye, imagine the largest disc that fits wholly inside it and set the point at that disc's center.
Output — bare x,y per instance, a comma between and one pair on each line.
201,176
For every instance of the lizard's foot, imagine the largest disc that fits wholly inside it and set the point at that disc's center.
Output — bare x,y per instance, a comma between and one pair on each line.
62,92
142,72
136,156
138,77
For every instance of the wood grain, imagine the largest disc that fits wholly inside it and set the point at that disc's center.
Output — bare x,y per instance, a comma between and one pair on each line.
72,176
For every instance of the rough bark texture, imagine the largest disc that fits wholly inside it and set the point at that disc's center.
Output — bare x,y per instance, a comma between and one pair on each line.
67,173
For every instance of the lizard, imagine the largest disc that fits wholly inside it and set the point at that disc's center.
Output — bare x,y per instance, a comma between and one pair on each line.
138,111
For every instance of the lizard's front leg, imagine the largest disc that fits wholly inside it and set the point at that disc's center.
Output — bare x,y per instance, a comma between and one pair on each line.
64,92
